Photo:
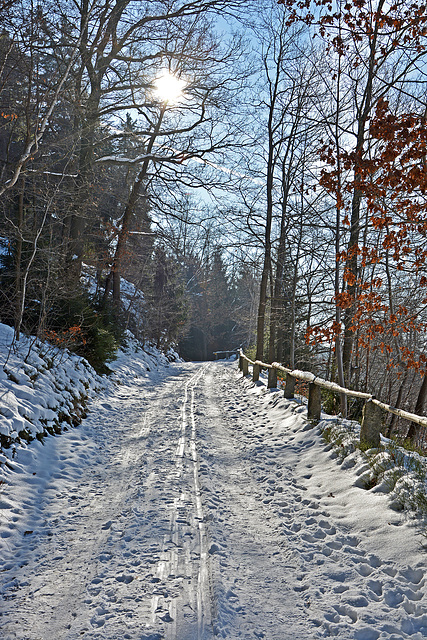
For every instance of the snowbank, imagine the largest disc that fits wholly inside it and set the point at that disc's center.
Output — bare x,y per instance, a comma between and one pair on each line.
42,390
390,469
45,390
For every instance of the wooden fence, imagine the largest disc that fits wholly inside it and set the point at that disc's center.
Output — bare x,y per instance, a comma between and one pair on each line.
372,415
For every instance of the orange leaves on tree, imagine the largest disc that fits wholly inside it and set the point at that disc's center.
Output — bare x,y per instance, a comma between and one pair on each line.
357,17
391,181
68,339
343,300
9,116
413,360
316,334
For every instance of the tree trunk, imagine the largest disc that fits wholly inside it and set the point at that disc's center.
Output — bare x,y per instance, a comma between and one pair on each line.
422,395
276,299
84,183
364,112
127,216
338,348
18,258
352,268
414,428
394,417
262,307
266,269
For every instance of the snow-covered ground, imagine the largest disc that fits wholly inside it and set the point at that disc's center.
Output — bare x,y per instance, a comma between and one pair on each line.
192,503
42,389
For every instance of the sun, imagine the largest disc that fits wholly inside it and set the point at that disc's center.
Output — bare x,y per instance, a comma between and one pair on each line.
169,88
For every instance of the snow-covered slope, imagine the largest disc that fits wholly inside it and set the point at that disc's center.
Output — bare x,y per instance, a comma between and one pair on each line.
42,389
45,390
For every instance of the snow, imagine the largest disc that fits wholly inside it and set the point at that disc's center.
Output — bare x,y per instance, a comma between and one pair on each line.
133,300
41,387
193,503
4,246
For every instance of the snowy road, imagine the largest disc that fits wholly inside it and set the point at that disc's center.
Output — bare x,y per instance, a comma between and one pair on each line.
193,505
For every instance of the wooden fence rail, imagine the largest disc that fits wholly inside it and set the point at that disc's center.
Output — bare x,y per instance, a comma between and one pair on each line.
373,409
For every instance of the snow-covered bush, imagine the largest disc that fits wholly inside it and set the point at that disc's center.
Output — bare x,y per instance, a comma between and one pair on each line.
390,468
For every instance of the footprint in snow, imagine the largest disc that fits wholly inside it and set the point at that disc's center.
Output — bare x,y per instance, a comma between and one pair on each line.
366,634
126,579
412,575
364,569
376,586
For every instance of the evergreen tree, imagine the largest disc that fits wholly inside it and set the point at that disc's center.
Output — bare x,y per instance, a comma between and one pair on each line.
167,308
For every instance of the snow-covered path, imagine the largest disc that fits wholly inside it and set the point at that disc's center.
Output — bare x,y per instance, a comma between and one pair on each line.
192,505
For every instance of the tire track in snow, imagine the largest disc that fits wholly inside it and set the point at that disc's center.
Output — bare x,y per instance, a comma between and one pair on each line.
204,592
177,560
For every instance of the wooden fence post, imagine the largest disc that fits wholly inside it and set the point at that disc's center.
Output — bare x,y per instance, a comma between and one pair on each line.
314,402
373,411
289,386
245,367
272,379
372,417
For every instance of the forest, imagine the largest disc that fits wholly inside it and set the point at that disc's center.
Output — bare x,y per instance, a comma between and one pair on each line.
221,174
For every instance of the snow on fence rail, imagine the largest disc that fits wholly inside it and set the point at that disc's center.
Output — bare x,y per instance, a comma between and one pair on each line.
372,411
